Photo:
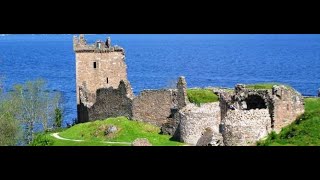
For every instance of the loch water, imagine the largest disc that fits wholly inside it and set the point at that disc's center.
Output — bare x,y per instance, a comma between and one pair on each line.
156,60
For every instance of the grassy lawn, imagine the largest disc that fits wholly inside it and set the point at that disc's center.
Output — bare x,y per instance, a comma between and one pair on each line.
303,132
93,134
199,96
261,85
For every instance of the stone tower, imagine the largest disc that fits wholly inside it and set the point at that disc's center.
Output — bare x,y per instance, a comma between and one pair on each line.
98,65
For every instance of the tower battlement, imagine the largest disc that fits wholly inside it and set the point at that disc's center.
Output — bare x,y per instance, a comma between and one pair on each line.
80,45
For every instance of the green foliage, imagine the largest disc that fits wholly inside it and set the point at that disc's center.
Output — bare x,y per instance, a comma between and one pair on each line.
9,126
34,104
42,140
305,131
199,96
57,118
93,133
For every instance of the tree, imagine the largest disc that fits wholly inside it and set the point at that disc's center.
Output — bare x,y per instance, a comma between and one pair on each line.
9,126
58,118
35,106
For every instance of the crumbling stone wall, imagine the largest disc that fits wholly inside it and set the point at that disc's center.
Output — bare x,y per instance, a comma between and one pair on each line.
182,96
171,127
154,106
288,105
195,121
225,100
249,114
109,102
245,127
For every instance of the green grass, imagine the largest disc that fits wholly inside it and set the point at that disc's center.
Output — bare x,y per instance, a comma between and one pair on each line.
93,134
57,142
305,131
261,85
199,96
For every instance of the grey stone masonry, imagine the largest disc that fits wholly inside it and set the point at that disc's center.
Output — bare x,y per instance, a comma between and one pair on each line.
195,120
243,128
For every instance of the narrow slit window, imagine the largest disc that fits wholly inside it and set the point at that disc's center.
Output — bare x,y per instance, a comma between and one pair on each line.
107,80
94,65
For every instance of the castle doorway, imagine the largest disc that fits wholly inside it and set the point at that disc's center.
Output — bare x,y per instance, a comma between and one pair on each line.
255,102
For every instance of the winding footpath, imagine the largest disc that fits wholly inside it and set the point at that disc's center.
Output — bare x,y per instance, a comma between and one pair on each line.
56,135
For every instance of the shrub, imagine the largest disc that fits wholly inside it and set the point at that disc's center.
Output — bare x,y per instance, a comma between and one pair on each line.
42,140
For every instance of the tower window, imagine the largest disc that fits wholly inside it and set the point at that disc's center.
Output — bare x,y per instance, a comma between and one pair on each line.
107,80
94,65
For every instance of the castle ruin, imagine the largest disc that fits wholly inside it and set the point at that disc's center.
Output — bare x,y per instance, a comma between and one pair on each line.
240,117
104,91
98,66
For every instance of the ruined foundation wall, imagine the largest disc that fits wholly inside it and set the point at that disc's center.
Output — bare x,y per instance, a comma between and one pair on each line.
109,102
288,105
154,106
195,121
245,127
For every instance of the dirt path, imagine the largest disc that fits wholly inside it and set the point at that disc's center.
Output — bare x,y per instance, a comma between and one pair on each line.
56,135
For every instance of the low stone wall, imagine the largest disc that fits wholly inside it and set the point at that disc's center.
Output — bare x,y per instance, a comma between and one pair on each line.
154,106
245,127
196,121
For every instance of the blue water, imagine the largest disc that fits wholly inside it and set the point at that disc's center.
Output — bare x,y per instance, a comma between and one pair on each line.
155,61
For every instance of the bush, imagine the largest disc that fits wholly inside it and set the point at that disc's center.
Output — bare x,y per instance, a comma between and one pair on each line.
42,140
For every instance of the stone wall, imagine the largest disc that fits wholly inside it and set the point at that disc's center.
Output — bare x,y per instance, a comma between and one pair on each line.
288,105
171,127
110,70
245,127
154,106
109,102
196,122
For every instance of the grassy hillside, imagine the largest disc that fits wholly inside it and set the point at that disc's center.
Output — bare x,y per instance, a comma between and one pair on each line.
93,134
199,96
304,132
